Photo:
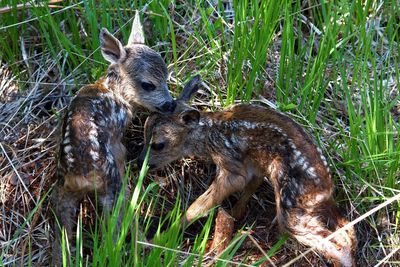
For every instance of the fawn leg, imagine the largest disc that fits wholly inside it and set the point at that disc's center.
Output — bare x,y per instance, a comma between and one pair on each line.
65,203
108,200
225,184
239,208
311,225
113,187
310,215
310,228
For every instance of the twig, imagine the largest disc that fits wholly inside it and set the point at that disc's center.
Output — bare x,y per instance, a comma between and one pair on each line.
262,251
193,254
388,256
7,9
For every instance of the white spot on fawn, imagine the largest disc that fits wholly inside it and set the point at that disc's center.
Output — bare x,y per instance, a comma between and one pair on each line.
324,161
300,161
94,154
93,135
70,159
121,115
248,125
305,165
227,144
109,155
66,140
297,154
66,132
67,149
320,197
311,172
205,122
322,157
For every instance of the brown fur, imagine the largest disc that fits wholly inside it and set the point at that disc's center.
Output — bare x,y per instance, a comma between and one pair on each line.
92,156
247,143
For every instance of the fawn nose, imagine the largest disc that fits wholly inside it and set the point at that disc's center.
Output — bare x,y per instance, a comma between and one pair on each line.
168,107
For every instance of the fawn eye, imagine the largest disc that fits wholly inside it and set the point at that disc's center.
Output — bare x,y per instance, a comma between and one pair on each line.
148,86
112,74
157,146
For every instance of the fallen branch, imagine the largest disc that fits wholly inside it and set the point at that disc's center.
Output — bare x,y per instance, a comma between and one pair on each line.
224,224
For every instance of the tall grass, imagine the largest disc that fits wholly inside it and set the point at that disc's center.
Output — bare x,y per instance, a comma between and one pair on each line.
127,245
254,26
336,71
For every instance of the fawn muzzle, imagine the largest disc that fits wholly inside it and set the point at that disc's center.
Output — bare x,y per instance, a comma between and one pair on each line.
167,107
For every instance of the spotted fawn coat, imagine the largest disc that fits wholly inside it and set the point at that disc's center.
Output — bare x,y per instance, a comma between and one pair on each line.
92,155
247,143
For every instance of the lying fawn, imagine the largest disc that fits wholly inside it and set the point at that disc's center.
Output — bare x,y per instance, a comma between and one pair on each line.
247,143
92,155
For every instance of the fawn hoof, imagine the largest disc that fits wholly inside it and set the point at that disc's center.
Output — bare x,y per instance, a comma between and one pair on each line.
238,212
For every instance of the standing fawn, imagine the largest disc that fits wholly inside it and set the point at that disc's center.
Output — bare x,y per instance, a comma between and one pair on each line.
92,155
247,143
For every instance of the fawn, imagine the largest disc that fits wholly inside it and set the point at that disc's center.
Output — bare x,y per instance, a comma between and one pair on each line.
247,143
92,155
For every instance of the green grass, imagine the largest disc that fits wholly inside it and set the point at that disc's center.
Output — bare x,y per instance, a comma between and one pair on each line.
110,245
333,65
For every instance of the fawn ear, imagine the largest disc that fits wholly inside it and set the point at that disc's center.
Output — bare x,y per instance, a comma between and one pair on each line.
111,48
190,116
137,36
190,88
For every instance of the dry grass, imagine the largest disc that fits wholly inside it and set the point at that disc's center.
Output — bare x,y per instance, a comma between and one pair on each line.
29,144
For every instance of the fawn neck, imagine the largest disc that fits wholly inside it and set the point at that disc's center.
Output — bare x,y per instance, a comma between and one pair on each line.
118,93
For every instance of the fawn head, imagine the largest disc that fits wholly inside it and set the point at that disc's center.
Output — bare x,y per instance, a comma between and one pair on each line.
136,72
166,135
